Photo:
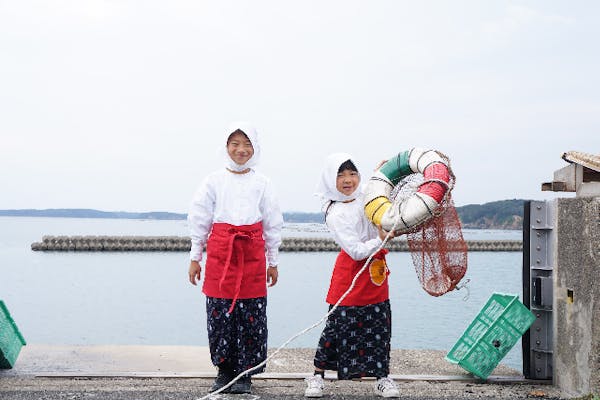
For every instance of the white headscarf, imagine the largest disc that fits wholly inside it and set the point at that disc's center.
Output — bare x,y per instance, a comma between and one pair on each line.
252,134
326,188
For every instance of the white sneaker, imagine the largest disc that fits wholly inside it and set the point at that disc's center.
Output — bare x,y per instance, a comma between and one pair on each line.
386,387
314,387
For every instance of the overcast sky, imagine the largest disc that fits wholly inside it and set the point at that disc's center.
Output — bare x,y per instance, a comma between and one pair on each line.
122,105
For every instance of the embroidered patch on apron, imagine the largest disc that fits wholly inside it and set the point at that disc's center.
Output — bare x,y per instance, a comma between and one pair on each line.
378,271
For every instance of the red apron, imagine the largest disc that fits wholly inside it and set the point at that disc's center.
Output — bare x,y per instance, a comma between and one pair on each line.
371,286
235,262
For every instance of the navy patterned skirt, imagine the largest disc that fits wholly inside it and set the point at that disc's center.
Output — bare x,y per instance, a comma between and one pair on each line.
356,341
237,341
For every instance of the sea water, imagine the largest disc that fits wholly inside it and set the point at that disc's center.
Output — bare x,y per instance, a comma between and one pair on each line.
145,298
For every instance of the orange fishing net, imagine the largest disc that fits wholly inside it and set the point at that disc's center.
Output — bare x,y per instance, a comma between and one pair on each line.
439,252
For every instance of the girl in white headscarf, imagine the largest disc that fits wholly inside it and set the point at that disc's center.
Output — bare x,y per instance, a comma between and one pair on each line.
356,339
235,214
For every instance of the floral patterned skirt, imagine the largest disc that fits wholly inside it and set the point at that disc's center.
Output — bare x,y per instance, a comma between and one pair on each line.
237,341
356,341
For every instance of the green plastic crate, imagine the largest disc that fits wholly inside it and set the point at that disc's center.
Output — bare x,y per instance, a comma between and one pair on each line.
11,339
493,332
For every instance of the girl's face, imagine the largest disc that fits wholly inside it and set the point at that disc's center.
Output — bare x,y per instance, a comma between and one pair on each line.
347,182
239,148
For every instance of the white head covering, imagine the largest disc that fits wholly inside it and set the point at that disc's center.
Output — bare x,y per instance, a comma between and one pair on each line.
252,134
326,189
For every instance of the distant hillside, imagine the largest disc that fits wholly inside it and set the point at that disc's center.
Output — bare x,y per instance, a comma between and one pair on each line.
306,217
89,213
504,214
161,215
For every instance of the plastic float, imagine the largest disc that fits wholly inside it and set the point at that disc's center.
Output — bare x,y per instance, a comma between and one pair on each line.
410,194
418,207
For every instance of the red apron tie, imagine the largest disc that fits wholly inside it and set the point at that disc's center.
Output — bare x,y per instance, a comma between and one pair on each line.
235,263
240,258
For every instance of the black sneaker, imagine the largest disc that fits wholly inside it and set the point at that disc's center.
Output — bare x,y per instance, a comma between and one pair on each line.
242,385
223,378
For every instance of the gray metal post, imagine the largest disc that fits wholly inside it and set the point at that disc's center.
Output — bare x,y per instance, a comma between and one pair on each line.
541,261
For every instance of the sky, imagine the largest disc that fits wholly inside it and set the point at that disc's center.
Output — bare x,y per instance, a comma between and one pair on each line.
123,105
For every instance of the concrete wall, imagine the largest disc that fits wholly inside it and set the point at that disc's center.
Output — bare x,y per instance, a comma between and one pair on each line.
577,296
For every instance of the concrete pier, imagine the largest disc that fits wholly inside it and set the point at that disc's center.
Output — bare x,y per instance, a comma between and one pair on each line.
576,294
182,243
120,372
568,261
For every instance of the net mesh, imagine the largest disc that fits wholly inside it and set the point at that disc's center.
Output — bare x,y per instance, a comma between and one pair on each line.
437,246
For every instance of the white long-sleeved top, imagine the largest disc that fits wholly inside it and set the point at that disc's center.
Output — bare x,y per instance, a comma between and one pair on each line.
351,230
235,199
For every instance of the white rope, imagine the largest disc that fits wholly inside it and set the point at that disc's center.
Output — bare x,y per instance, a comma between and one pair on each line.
465,286
311,327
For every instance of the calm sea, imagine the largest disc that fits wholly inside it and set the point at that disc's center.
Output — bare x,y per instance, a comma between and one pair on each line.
146,299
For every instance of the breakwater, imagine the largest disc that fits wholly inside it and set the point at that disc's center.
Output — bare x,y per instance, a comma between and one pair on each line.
182,243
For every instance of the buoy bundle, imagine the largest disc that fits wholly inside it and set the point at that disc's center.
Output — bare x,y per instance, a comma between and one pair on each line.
417,207
410,194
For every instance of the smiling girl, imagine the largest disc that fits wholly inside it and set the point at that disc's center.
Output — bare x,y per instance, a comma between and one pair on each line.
235,214
356,339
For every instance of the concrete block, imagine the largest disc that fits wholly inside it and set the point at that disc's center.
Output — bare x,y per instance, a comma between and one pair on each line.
577,296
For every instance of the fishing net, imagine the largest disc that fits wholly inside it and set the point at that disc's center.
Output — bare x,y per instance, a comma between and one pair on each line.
437,246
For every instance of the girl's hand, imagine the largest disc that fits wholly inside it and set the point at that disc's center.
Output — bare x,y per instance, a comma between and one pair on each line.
272,275
383,233
194,272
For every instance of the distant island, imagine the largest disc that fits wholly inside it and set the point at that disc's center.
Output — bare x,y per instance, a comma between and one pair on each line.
503,214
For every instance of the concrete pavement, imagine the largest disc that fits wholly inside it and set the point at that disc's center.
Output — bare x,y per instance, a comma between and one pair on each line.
185,372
